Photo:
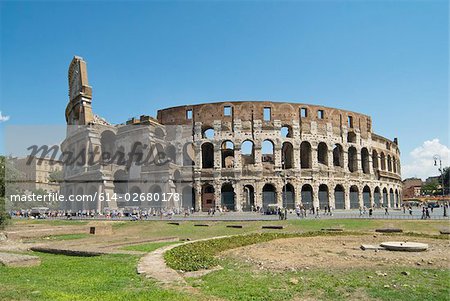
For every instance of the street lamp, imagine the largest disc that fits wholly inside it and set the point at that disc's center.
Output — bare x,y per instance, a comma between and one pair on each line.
436,159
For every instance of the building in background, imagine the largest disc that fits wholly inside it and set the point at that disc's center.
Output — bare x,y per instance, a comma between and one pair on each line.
412,187
36,174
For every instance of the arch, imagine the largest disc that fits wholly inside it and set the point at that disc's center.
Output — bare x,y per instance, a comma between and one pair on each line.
354,197
305,155
383,161
377,197
288,196
339,197
352,159
375,160
286,131
248,152
397,199
268,151
207,155
208,133
159,133
389,163
322,153
188,198
269,195
107,142
391,197
188,154
351,137
171,153
338,156
208,198
366,197
156,197
228,196
227,153
365,160
120,182
307,196
135,200
394,164
287,153
323,196
385,198
249,198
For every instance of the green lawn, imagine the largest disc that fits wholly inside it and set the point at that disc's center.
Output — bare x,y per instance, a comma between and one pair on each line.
107,277
238,281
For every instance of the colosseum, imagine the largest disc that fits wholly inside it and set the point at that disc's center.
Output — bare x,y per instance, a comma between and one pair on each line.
238,155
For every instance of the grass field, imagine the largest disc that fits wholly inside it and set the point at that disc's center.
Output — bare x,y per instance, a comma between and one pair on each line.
114,277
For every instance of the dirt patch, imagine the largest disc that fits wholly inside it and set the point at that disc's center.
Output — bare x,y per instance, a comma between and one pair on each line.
19,260
339,252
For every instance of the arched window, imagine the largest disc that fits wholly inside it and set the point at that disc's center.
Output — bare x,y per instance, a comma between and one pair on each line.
248,152
338,156
352,159
268,151
287,151
286,131
375,159
208,133
322,153
305,155
227,150
365,160
207,155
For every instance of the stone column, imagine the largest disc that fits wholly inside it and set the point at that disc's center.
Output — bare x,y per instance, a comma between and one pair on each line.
315,196
331,199
360,197
346,196
237,196
198,196
278,156
279,187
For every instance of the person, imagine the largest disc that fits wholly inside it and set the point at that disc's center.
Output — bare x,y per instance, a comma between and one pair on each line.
370,212
427,212
317,212
386,211
410,210
423,213
297,210
285,213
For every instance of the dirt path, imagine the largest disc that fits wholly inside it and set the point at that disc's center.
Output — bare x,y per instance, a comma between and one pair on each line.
339,252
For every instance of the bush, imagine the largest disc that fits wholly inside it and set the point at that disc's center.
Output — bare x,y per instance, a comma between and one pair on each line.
4,217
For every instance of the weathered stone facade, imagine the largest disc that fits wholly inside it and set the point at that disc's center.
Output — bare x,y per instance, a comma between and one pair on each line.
244,155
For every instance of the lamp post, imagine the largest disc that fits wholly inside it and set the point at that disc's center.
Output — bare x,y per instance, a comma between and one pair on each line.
436,159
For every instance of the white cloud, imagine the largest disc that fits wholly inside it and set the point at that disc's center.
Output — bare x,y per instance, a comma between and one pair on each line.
421,162
3,118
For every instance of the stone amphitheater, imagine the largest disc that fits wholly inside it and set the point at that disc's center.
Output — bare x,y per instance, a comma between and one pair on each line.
238,155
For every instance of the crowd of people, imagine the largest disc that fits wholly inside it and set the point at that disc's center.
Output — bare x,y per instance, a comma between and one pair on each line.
137,213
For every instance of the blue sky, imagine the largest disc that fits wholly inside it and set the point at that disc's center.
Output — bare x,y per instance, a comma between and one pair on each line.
387,59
